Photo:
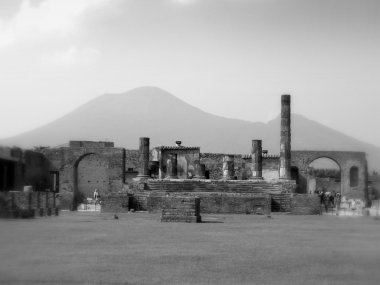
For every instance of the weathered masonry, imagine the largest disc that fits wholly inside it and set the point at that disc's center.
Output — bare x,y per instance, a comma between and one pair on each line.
85,166
25,167
176,161
142,178
353,169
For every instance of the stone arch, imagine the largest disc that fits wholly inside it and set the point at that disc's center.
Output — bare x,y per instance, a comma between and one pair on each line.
346,160
65,161
97,176
334,159
336,187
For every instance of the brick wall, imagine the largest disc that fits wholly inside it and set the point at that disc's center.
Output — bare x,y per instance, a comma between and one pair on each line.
217,203
271,165
81,161
181,209
214,164
18,204
243,164
37,171
93,174
235,204
131,159
115,203
281,202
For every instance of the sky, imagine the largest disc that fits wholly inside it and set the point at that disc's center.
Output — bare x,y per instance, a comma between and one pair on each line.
232,58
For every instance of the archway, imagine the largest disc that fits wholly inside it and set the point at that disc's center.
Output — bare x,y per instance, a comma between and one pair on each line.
90,173
324,174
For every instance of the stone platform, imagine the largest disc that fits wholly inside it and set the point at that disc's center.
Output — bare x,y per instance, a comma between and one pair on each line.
181,209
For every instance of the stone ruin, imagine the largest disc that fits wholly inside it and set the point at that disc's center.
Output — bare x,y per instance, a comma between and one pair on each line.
145,179
181,209
25,204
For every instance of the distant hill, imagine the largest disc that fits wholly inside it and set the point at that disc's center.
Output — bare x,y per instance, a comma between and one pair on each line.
155,113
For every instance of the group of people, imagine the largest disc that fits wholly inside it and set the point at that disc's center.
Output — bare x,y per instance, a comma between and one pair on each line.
328,199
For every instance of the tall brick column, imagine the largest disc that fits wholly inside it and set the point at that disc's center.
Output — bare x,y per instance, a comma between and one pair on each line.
285,144
228,167
257,160
144,158
172,166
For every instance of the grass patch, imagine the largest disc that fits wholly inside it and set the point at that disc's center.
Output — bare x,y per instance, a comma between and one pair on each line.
93,248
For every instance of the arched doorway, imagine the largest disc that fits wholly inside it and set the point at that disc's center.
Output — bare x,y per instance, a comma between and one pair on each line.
90,173
324,174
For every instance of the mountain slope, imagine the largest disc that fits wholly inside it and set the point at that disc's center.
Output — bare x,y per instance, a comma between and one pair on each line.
152,112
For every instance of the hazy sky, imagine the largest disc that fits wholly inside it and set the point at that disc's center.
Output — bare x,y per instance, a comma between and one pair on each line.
232,58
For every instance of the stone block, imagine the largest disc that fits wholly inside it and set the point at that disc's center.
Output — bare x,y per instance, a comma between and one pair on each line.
41,199
181,209
115,203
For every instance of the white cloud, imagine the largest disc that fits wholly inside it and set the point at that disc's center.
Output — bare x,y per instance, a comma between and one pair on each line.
73,56
51,17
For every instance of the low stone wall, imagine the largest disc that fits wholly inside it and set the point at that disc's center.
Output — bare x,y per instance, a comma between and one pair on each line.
217,203
18,204
181,209
226,197
139,201
235,204
115,203
281,202
304,204
217,186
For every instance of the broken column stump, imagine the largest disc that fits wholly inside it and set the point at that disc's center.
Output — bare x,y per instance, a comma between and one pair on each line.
181,209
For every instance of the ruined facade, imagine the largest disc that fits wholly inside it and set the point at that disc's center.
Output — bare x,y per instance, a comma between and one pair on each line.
176,161
86,166
225,183
353,169
25,167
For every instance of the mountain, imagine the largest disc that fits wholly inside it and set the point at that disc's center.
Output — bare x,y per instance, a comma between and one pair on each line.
155,113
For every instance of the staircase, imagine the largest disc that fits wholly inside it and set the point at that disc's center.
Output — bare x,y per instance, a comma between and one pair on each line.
213,186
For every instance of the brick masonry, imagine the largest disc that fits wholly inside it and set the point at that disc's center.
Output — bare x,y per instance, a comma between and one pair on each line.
84,166
115,203
217,196
181,209
243,166
281,202
346,161
18,204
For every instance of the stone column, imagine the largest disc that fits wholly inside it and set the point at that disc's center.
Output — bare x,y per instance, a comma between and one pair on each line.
228,167
257,160
143,158
285,144
172,164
